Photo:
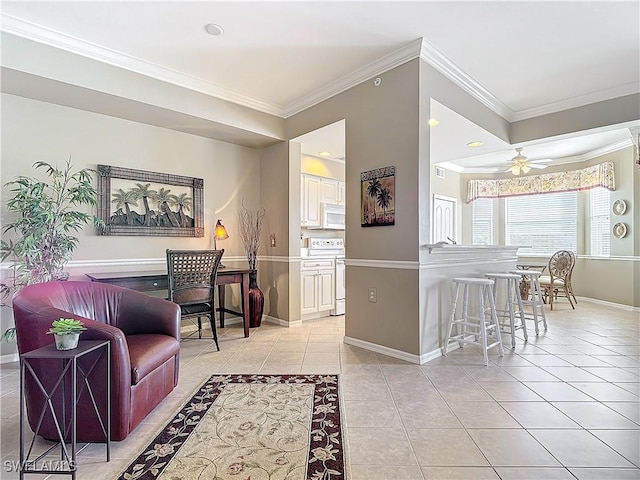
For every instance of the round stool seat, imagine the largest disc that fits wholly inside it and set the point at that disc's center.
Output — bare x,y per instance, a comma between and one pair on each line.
473,280
504,276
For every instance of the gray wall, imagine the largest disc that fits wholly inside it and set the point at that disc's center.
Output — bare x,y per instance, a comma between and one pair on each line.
381,130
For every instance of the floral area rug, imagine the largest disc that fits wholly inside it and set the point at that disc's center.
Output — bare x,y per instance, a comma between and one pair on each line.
251,427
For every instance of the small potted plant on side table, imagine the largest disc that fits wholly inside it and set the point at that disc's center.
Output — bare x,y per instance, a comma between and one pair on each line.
66,332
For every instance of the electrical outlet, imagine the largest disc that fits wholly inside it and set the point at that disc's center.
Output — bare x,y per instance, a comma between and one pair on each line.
373,295
272,239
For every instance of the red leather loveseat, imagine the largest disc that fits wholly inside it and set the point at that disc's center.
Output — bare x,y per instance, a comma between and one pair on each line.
144,332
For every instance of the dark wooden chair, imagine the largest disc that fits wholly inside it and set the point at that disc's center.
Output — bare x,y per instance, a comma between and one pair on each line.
558,282
192,279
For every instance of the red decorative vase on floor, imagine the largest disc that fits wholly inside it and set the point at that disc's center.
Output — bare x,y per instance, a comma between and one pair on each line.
256,301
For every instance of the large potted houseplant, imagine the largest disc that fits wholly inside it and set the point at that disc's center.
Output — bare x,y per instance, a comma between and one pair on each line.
43,216
250,229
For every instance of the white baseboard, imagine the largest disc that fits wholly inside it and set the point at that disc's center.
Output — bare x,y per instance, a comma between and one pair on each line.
9,358
282,323
621,306
437,353
390,352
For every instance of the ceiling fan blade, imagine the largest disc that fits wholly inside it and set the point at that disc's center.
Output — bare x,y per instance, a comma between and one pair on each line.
533,165
543,160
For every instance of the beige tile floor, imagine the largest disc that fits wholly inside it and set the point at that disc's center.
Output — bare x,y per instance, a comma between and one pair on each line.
563,406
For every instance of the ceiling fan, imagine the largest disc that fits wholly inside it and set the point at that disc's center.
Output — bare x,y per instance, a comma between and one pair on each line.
521,164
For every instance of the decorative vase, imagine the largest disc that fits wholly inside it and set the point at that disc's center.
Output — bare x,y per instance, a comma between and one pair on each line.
256,301
68,341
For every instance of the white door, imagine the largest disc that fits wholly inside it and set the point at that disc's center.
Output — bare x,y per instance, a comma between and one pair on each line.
444,218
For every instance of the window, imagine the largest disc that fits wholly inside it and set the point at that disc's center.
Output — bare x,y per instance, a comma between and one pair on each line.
544,223
600,239
482,226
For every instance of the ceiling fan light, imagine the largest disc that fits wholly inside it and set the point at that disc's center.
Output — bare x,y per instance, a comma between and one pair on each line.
525,168
515,170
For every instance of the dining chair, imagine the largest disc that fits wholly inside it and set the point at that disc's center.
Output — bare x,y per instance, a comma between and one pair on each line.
192,279
558,282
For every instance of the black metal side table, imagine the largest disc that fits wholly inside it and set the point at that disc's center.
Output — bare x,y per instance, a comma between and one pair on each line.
70,366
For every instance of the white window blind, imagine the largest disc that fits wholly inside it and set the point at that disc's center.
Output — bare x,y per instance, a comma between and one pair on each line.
544,223
600,237
482,221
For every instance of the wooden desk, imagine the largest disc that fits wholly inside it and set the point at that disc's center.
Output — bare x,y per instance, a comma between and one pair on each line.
157,280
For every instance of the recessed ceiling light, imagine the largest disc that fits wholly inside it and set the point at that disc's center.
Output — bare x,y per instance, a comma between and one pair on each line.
324,154
214,29
433,122
477,143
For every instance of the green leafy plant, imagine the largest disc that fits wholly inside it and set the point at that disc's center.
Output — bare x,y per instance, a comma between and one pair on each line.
46,214
66,326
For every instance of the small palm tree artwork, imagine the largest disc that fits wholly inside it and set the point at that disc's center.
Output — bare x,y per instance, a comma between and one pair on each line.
126,200
162,208
184,204
142,191
378,197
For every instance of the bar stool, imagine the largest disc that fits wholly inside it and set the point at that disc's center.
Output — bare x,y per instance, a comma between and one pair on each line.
480,328
534,297
513,299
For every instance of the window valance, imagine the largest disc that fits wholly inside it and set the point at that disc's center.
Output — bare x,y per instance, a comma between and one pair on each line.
600,175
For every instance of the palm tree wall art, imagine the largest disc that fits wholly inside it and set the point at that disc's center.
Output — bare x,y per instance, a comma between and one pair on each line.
149,203
377,189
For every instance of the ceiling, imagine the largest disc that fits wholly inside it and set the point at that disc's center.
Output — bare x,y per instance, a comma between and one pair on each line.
529,58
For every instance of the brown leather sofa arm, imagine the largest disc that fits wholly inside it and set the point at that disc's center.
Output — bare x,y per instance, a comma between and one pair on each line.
139,313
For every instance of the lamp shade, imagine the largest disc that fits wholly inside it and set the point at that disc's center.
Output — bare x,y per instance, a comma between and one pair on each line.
220,233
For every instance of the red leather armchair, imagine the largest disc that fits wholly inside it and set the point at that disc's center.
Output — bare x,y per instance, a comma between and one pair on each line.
144,332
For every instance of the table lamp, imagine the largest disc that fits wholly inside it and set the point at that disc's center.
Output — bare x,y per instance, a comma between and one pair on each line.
220,233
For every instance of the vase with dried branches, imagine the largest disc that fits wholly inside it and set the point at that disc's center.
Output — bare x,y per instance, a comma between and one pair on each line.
250,228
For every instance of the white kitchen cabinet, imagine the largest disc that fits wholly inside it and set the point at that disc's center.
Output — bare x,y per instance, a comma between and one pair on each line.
315,191
317,286
341,192
330,190
310,201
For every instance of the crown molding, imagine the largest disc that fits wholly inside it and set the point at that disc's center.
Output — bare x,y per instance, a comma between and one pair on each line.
599,152
575,102
419,48
377,67
38,33
437,60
